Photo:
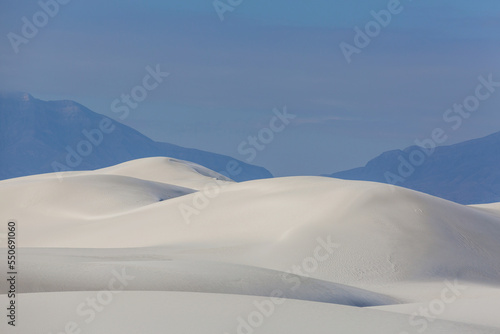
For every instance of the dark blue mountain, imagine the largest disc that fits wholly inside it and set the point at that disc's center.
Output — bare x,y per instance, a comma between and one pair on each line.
466,173
45,136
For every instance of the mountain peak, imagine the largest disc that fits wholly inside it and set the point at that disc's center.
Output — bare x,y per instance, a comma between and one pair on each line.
19,96
50,136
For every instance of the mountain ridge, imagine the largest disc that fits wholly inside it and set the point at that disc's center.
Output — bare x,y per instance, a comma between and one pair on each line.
51,136
466,172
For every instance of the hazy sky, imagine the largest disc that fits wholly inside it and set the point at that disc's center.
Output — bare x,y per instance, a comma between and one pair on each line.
227,76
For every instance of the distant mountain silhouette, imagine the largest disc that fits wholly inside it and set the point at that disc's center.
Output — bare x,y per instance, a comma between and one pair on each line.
45,136
466,173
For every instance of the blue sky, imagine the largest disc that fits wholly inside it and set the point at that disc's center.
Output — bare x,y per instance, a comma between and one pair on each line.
226,77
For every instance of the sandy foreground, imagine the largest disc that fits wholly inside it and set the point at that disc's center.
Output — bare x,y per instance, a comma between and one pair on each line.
161,245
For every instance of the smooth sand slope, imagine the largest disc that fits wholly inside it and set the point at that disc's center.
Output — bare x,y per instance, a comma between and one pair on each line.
348,256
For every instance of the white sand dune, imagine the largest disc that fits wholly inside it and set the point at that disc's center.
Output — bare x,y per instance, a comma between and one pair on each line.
166,170
52,270
478,304
188,312
493,208
181,230
88,196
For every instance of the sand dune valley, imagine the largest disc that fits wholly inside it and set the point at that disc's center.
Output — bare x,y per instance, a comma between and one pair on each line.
163,245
